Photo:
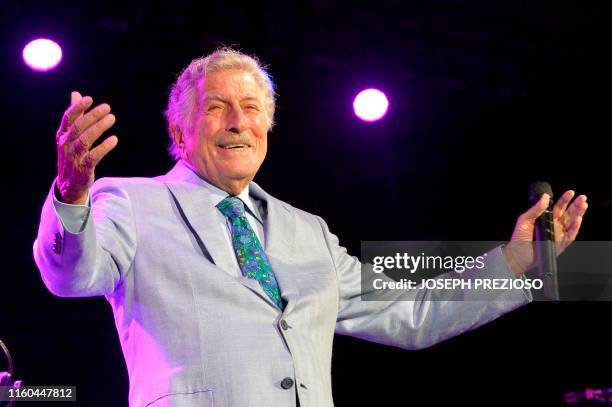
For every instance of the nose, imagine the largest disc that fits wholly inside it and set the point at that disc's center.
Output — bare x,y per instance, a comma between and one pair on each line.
236,120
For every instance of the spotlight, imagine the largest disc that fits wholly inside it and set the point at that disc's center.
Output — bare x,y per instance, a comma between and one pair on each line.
42,54
370,105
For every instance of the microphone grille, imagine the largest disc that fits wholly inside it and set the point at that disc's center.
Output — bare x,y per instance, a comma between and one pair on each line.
537,189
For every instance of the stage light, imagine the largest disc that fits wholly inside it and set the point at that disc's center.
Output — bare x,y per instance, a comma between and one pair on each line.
370,105
42,54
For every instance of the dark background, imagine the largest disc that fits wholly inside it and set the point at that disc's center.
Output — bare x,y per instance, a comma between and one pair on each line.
486,97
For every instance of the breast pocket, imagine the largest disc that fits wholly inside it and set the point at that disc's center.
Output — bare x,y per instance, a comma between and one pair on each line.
198,398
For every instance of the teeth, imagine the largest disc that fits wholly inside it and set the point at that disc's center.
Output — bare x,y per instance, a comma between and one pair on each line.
229,146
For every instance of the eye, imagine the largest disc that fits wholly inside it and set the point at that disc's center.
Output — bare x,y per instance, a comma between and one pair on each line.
213,108
252,107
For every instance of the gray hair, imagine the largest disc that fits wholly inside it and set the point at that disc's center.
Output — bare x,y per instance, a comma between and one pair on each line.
183,99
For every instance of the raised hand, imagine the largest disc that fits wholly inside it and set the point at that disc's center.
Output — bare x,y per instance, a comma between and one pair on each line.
567,219
76,160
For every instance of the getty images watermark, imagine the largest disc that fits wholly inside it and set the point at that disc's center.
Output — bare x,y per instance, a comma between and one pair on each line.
458,264
479,271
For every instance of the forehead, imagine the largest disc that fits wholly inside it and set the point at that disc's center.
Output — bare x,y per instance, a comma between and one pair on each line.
232,84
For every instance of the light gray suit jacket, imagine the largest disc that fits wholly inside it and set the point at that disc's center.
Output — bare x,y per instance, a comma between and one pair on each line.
195,333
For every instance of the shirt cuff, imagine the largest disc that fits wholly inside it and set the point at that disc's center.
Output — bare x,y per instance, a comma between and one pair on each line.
502,270
72,217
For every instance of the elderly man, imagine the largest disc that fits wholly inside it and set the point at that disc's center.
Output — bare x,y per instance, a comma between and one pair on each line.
222,294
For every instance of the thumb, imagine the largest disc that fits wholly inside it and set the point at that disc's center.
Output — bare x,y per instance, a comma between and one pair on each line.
537,209
74,97
523,230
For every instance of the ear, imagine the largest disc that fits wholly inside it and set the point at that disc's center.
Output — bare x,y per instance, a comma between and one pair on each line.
177,135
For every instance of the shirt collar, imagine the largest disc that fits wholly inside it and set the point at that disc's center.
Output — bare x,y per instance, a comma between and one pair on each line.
217,195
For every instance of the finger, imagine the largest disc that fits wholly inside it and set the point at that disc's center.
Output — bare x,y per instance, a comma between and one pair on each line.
95,155
574,228
84,142
536,210
87,120
578,207
74,111
561,204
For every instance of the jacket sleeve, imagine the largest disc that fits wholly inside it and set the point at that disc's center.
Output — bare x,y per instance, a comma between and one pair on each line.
90,259
413,319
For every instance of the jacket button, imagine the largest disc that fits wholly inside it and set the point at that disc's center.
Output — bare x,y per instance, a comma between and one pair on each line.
287,383
284,325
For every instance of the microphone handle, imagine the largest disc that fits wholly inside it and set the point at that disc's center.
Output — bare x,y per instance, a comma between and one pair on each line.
546,254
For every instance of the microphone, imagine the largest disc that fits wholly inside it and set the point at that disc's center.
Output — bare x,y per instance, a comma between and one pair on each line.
544,240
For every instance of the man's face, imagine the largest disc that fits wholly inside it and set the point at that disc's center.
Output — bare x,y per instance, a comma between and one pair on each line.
230,138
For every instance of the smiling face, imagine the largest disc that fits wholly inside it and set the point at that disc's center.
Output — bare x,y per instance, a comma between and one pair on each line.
229,139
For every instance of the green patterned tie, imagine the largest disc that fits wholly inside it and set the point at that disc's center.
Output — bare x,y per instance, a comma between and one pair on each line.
251,257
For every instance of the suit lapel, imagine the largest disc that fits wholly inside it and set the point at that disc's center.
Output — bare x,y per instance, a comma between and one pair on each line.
192,199
207,228
280,227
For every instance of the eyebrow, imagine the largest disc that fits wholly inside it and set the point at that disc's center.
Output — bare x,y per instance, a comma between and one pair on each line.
222,99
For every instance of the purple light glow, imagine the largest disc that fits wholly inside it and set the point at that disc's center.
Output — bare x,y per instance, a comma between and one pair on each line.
42,54
370,105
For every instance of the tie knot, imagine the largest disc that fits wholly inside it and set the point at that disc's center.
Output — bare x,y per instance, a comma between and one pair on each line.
232,207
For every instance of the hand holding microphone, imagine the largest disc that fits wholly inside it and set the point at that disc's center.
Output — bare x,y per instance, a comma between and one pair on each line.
556,224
